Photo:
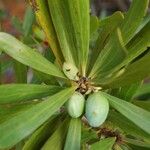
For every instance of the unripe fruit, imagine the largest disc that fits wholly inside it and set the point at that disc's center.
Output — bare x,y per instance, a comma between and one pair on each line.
70,71
75,105
97,108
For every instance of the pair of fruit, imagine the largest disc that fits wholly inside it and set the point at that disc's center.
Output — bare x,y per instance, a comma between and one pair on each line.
96,107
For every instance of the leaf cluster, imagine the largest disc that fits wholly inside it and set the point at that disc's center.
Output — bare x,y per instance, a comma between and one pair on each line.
112,53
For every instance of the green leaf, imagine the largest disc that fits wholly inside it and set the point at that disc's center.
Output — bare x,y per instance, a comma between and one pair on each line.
72,28
143,89
0,74
133,19
24,123
46,23
48,54
138,44
39,77
94,24
56,141
63,26
39,33
128,127
127,92
135,147
143,104
124,146
87,134
19,145
74,135
105,29
29,19
104,144
112,21
85,27
10,110
44,78
39,137
137,142
27,56
11,93
133,73
135,48
117,147
20,72
143,23
113,54
136,114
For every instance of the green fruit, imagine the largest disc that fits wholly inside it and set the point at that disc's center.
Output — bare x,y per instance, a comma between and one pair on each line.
70,71
97,108
75,105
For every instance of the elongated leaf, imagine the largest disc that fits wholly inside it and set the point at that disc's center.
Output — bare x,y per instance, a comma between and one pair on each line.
8,111
133,73
38,33
0,73
87,134
105,144
137,142
44,78
143,89
143,23
11,93
134,147
113,54
143,104
124,146
133,19
135,47
127,126
29,19
61,18
136,114
85,27
127,92
27,56
19,146
40,77
56,141
39,137
71,22
74,135
20,72
45,21
25,122
80,20
138,44
105,29
94,24
117,147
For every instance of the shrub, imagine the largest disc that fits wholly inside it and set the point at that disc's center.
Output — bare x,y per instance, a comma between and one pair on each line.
105,56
